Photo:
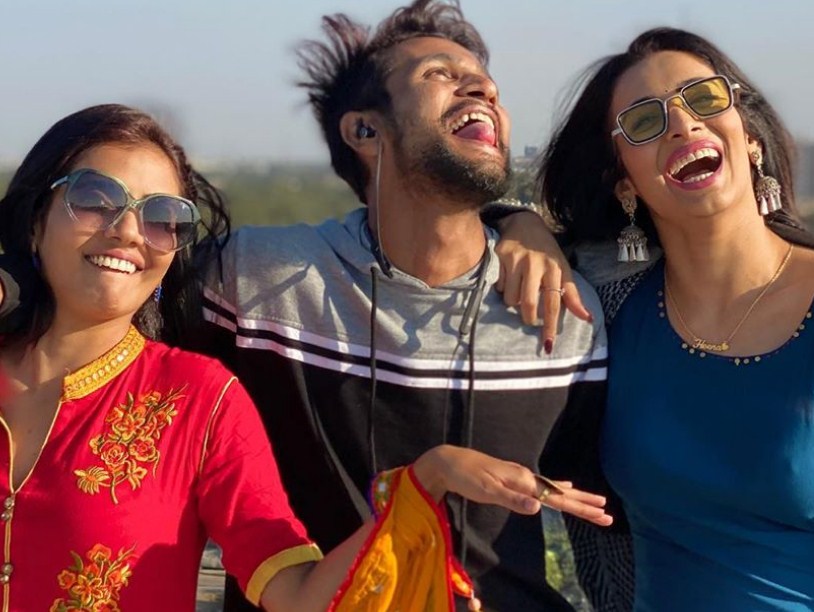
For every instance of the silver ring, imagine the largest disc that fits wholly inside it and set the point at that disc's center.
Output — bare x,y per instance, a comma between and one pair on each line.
561,291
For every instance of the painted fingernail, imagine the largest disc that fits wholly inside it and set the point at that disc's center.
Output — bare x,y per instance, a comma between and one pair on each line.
548,346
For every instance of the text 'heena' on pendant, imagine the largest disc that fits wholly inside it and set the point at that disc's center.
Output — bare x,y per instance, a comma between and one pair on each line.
703,345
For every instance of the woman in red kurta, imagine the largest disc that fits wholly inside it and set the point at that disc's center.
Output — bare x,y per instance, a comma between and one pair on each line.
150,450
119,455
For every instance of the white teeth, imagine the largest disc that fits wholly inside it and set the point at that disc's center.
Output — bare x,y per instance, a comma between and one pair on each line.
112,263
697,178
687,159
469,117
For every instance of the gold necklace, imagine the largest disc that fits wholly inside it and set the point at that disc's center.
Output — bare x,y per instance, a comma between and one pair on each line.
721,347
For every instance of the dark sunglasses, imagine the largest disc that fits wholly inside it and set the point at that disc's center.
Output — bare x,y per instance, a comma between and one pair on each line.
98,202
647,120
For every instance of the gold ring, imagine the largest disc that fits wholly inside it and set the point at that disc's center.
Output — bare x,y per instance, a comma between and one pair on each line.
544,495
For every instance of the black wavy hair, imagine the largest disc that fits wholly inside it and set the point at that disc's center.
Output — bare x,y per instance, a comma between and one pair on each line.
27,200
347,73
580,168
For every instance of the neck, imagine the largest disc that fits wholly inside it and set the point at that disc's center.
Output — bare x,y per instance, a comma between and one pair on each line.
65,348
711,263
427,237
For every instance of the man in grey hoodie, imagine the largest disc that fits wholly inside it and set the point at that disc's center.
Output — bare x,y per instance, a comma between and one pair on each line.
367,341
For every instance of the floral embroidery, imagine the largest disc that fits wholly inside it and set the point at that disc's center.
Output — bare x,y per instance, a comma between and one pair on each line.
94,585
128,447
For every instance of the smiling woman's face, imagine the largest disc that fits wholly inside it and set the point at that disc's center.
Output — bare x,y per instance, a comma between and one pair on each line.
699,166
104,275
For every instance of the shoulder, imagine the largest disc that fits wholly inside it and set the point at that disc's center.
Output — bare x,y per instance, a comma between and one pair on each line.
254,240
266,252
648,291
597,262
195,368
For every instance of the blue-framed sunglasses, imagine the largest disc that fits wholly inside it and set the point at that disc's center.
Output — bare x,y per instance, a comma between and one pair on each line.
647,120
97,201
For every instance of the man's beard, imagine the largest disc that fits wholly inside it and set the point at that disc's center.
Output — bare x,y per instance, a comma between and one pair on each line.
471,181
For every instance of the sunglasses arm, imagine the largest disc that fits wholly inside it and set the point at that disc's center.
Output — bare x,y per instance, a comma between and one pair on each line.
59,182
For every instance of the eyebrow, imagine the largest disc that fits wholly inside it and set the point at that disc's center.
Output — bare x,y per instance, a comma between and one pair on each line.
449,59
439,57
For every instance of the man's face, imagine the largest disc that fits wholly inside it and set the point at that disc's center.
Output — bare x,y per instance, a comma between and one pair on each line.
450,132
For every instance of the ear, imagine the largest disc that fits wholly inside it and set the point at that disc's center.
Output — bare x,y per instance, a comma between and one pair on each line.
360,131
624,190
754,148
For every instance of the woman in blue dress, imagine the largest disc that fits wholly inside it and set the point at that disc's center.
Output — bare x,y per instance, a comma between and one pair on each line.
709,432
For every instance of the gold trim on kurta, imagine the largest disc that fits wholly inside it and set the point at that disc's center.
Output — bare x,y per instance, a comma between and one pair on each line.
99,372
211,421
273,565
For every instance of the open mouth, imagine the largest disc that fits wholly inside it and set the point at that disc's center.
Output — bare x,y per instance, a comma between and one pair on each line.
112,263
696,166
476,126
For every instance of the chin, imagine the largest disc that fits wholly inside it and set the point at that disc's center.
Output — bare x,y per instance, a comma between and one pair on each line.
481,179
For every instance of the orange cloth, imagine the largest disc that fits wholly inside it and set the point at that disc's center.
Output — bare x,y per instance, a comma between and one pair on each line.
406,563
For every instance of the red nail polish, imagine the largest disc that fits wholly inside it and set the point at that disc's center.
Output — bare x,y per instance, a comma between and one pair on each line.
549,346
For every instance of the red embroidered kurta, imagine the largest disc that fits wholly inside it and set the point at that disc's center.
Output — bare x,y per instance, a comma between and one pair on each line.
151,450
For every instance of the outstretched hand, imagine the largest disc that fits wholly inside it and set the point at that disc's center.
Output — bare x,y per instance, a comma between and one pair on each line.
487,480
535,275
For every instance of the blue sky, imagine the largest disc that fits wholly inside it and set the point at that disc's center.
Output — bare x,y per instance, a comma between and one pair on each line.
224,70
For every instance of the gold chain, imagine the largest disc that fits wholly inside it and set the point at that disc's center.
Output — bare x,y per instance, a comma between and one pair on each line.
720,347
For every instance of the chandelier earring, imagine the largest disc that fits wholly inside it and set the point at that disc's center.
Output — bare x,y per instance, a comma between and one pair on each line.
632,240
767,188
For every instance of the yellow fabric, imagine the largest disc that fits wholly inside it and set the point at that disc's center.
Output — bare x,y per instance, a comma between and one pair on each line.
271,566
404,565
97,373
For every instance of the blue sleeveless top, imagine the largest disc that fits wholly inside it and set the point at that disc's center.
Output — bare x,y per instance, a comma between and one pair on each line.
714,459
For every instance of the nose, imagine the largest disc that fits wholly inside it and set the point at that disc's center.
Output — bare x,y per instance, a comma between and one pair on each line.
681,120
126,229
480,86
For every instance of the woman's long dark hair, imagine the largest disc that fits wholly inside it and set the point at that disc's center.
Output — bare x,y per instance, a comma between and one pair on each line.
580,168
28,197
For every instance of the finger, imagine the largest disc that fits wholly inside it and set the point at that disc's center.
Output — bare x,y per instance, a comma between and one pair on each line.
511,285
532,279
572,300
551,303
585,498
501,279
516,502
588,512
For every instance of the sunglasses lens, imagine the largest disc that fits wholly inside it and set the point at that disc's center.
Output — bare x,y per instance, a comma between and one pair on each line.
643,121
169,222
709,97
95,200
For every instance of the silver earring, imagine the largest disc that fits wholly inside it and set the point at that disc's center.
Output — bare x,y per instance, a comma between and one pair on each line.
767,189
632,241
